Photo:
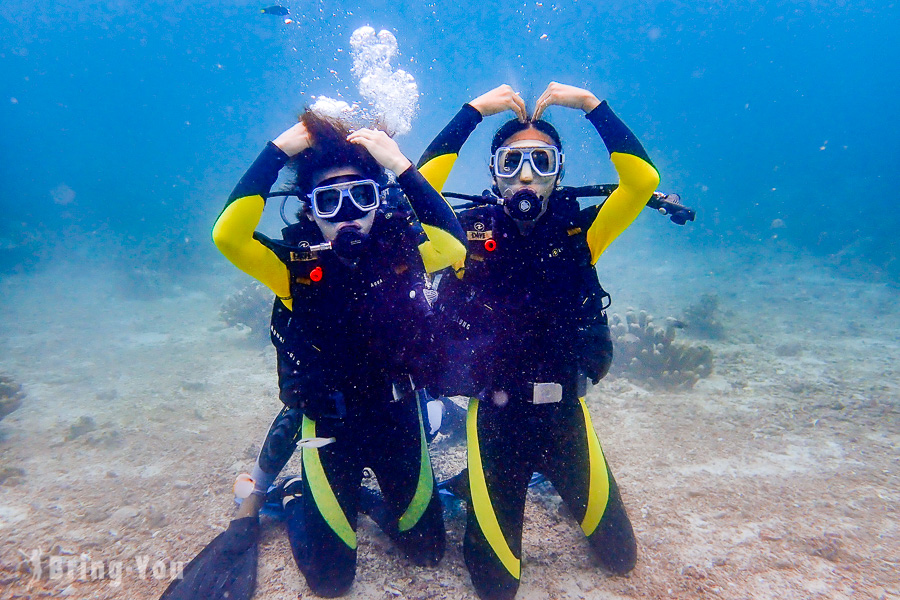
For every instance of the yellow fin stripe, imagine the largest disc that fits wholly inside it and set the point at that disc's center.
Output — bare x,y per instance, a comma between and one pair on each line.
481,501
437,170
598,490
441,250
424,489
322,493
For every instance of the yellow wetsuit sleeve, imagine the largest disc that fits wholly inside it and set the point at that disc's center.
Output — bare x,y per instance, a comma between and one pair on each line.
233,236
437,161
445,243
638,178
441,250
637,181
233,231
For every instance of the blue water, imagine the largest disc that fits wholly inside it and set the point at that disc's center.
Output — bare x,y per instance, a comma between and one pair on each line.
124,124
150,111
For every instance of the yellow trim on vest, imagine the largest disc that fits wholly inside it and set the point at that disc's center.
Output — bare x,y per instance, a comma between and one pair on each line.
437,170
598,488
322,493
481,500
424,488
441,250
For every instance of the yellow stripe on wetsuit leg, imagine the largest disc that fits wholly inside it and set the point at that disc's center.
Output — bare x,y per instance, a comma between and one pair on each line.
322,493
481,500
424,488
598,487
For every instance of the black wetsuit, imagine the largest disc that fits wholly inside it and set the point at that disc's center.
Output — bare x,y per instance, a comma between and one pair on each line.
525,310
348,336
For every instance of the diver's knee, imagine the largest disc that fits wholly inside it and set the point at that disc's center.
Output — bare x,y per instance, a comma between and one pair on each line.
427,557
616,551
620,562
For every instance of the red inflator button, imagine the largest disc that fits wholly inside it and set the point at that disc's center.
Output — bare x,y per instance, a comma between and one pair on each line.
490,245
316,274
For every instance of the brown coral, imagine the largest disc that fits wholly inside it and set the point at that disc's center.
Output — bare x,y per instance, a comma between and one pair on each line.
11,396
649,353
250,307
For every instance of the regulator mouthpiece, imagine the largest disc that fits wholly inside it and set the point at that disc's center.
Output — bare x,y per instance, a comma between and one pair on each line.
350,243
524,205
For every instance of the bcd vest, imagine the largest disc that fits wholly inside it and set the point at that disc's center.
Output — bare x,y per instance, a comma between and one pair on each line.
351,327
526,308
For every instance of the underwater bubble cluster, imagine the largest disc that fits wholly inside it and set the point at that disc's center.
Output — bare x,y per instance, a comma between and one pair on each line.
354,116
392,94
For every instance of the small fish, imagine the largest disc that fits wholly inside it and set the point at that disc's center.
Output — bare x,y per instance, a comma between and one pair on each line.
676,323
278,11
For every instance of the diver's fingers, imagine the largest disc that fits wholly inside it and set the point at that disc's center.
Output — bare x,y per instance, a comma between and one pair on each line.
543,102
497,100
363,133
519,107
569,96
371,137
294,140
539,107
382,147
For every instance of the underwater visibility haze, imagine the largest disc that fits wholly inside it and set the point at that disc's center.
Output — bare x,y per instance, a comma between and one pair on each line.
145,111
133,378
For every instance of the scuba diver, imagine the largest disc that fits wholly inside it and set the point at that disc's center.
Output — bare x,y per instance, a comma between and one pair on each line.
523,326
350,324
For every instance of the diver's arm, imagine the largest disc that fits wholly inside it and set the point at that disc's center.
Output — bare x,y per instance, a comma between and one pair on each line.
446,241
437,160
638,179
233,231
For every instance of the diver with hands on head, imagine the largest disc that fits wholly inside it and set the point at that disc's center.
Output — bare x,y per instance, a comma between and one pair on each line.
522,324
350,324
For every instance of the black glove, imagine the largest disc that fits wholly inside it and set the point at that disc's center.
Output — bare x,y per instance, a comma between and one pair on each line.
596,368
596,353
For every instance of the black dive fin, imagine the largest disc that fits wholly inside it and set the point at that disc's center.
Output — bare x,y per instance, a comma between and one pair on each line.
225,569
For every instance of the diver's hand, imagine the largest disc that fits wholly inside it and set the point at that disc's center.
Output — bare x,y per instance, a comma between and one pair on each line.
499,99
382,148
569,96
295,140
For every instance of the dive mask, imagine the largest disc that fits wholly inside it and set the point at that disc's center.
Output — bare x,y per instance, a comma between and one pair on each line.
545,161
327,200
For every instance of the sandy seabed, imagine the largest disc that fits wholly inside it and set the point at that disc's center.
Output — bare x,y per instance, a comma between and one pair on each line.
777,477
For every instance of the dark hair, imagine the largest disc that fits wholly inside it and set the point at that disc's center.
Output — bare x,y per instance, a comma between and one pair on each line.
331,149
510,128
